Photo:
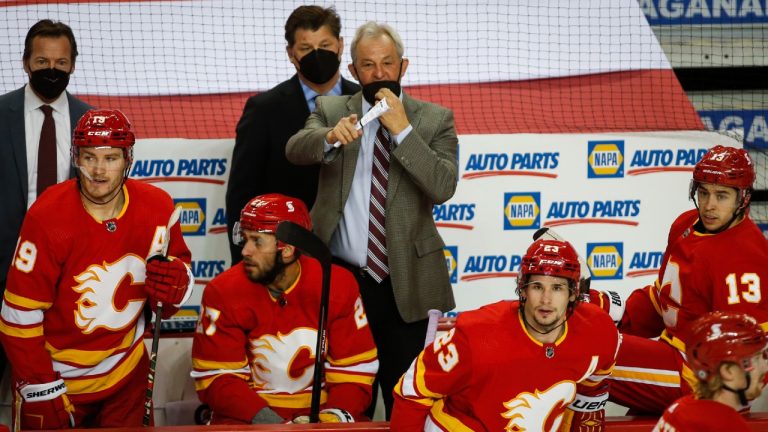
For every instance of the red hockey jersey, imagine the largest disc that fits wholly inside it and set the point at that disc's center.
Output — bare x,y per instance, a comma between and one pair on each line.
75,293
251,350
688,414
707,272
489,373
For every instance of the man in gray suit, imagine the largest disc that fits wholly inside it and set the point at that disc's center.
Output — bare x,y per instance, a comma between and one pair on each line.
374,206
49,59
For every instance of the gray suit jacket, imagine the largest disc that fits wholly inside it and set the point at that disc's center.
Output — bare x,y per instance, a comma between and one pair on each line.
13,169
423,172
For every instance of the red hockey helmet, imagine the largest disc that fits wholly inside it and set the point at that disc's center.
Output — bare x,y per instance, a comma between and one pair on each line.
723,337
263,213
103,128
550,258
725,166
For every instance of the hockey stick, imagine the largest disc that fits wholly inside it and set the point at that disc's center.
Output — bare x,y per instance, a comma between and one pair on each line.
162,255
304,240
434,316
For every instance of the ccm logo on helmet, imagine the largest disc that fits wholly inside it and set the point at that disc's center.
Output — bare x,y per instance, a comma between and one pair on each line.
45,392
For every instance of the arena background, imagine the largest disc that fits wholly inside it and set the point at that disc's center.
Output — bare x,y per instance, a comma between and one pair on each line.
582,116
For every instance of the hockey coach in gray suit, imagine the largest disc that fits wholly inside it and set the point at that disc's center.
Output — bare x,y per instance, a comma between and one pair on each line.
376,192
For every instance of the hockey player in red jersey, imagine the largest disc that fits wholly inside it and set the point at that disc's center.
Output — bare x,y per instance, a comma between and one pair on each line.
253,351
728,353
72,315
533,364
716,260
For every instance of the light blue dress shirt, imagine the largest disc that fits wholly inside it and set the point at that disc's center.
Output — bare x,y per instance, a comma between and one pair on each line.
310,95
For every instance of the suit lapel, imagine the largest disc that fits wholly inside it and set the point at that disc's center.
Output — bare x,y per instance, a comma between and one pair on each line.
18,142
396,170
348,87
294,95
351,151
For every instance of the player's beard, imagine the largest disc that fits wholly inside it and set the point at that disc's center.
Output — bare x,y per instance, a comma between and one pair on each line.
545,327
270,274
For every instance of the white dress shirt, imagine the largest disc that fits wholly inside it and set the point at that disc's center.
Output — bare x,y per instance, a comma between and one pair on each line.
33,122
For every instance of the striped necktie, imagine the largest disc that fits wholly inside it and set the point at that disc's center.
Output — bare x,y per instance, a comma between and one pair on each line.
378,266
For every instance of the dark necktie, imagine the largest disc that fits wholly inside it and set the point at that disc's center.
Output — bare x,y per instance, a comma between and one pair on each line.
377,263
46,153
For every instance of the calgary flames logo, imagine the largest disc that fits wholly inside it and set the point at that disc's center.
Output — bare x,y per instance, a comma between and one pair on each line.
539,411
97,286
277,360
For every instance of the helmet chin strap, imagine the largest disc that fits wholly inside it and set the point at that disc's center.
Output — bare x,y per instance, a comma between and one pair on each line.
529,326
83,194
741,393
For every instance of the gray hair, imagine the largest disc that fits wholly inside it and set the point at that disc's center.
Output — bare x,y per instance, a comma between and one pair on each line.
371,30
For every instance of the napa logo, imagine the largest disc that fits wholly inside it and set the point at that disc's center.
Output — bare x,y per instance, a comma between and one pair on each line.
205,270
455,215
605,260
605,159
452,262
650,161
219,224
616,212
491,266
185,319
536,164
202,170
645,263
192,217
522,210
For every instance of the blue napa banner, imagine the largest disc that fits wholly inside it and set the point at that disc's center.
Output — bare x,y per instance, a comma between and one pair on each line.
681,12
751,122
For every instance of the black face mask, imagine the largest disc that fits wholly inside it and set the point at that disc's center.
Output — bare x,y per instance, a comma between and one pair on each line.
49,83
319,66
370,89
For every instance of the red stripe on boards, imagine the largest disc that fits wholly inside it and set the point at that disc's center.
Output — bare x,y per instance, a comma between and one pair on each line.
648,100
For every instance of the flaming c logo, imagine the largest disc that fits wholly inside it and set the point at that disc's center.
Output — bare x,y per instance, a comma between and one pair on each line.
539,411
97,286
273,357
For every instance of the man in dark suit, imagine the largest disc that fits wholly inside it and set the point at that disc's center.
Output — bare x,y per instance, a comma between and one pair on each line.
374,206
49,59
259,165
